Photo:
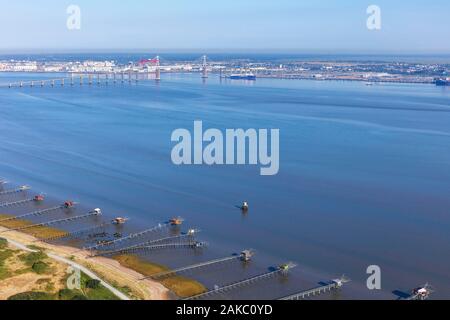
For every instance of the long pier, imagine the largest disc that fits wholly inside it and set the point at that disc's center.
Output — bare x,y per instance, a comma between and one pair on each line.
34,213
177,245
77,232
16,203
244,256
129,237
333,285
17,190
145,245
52,222
280,270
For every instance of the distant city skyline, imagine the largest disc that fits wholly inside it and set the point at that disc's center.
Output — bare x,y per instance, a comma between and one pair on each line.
415,26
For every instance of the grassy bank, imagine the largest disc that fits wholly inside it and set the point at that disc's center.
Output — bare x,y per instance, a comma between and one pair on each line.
39,232
5,254
183,287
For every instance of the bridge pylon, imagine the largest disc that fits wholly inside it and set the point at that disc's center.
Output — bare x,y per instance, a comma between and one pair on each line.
158,69
204,67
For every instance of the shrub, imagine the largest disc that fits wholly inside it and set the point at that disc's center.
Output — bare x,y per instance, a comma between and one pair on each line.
33,257
3,243
4,255
67,294
31,295
40,267
93,284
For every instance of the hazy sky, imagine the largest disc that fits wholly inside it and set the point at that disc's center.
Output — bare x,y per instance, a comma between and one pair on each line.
326,25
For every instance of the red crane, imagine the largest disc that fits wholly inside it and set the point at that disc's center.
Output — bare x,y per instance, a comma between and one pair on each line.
149,61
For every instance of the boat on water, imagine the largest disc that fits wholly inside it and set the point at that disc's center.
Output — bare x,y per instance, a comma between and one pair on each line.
243,76
442,81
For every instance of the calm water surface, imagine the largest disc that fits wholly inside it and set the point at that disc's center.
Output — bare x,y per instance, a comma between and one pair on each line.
364,172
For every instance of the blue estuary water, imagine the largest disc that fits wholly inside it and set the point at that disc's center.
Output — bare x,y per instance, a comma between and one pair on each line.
364,172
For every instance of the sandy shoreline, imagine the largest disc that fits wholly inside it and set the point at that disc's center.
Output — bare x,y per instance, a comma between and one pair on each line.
108,269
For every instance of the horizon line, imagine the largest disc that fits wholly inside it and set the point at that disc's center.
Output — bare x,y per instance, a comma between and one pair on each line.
218,50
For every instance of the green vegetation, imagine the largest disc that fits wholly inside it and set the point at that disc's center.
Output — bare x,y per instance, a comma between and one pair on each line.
181,286
5,254
3,243
90,290
41,267
31,258
67,294
144,267
31,295
125,290
40,232
46,289
93,284
49,285
35,248
18,272
97,291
